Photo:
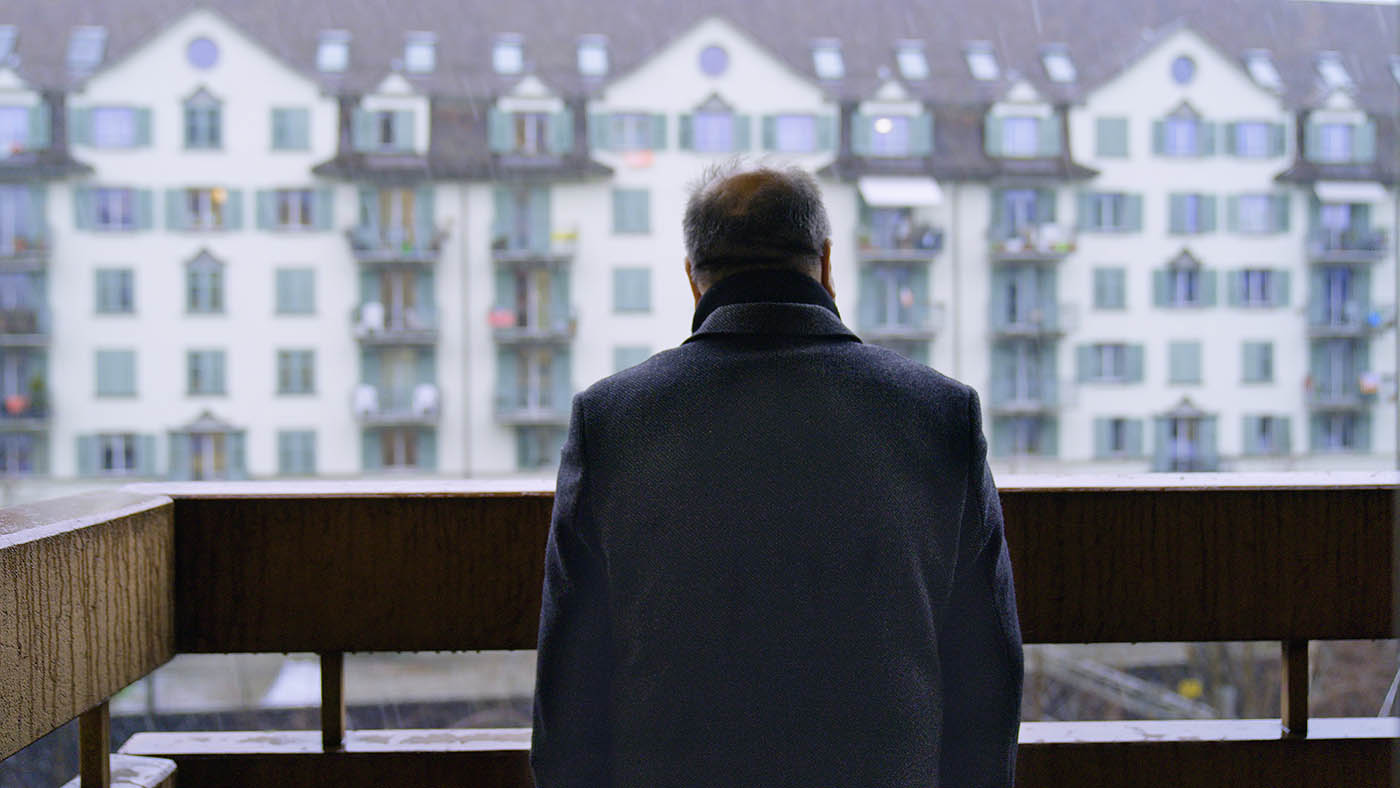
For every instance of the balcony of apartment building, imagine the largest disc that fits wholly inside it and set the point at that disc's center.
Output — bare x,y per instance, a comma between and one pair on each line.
1185,440
24,324
24,395
1340,394
1338,375
389,405
396,225
1347,244
1023,227
897,222
533,386
375,323
532,305
1027,395
24,243
1328,318
218,568
534,247
894,303
1047,319
914,323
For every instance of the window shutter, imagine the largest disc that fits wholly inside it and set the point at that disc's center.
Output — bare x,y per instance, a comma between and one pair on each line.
1049,437
1111,137
743,134
1205,139
1208,289
559,298
1251,362
1045,206
560,375
1312,141
507,379
141,117
286,453
175,217
1281,287
425,368
1250,443
40,126
860,134
599,128
369,211
826,132
427,449
997,214
1205,213
237,463
362,131
770,132
1209,451
84,213
1161,291
1132,438
233,215
498,131
1132,363
1159,137
179,456
503,220
658,132
403,131
1278,140
79,127
1049,133
1086,363
561,132
921,135
539,218
1118,288
146,455
371,453
323,208
1103,438
424,218
1176,210
686,123
1281,204
1232,214
1363,144
1132,213
1234,288
1283,435
267,209
1088,217
145,209
1232,134
369,368
991,137
217,371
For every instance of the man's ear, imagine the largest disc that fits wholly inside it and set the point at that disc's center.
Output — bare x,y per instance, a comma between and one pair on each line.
826,268
689,277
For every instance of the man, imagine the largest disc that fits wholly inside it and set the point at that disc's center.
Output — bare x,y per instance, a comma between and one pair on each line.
776,555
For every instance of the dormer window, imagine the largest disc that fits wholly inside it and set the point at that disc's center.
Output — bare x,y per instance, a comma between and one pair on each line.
508,56
1261,69
203,122
1023,136
86,46
982,61
388,131
910,57
420,53
593,56
1182,133
1395,67
333,51
1058,66
826,59
8,36
1019,136
714,128
891,136
1334,74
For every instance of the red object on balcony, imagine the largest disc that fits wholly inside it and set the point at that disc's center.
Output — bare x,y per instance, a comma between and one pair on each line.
15,404
501,317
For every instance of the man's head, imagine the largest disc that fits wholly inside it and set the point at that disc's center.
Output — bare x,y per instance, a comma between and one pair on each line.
741,218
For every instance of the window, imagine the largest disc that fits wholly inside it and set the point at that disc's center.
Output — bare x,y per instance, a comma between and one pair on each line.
631,289
204,285
1183,70
508,56
826,59
1261,69
1110,288
296,372
1183,287
538,447
1184,362
1110,362
116,291
1110,212
294,209
117,454
202,53
204,372
1183,283
8,35
1258,364
1111,139
14,129
1265,435
333,51
116,373
890,136
1340,432
203,122
1258,213
291,128
1333,73
1182,137
1334,142
86,46
909,55
383,130
982,62
420,53
1116,437
714,60
19,225
713,132
637,131
114,209
19,454
117,127
631,211
625,356
593,56
1189,214
1259,287
296,291
205,208
1058,66
296,452
793,134
1020,136
1024,436
1254,140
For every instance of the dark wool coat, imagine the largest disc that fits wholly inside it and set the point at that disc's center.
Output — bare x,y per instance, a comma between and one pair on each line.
776,559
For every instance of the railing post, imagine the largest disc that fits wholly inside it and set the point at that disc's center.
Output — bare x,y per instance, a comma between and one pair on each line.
332,700
1294,698
94,747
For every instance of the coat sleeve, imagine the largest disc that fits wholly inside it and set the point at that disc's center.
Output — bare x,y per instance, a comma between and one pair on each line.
570,744
980,644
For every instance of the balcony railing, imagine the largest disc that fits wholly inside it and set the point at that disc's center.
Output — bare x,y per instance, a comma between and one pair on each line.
390,245
28,409
1353,319
24,326
373,324
508,327
24,252
921,322
923,242
1008,398
519,411
253,567
1359,245
1051,319
559,247
1345,394
1035,243
382,406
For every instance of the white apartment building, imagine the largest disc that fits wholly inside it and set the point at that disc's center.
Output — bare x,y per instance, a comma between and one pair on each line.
339,248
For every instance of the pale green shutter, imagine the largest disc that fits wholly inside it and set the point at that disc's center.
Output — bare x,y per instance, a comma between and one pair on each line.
921,135
84,208
175,217
426,366
371,451
539,219
1205,213
860,134
499,136
1133,363
427,449
1209,451
561,132
79,126
237,461
658,132
369,212
1086,363
180,456
1281,204
40,126
991,137
1283,434
560,376
826,132
770,132
1088,216
1250,442
141,117
1159,137
146,455
507,378
403,130
424,215
1132,213
503,220
1232,214
599,131
1278,139
1208,287
323,208
1049,436
1132,438
1161,290
1103,438
1050,136
1205,139
266,209
1312,141
1232,133
145,209
686,125
742,133
233,212
364,131
1363,144
1045,206
1111,137
1184,362
1281,288
1176,213
1234,288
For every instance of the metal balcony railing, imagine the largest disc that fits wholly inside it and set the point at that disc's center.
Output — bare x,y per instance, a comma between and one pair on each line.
395,245
1050,319
923,321
1351,319
396,405
558,247
374,324
510,327
257,567
923,242
522,410
1359,244
1033,243
24,251
24,325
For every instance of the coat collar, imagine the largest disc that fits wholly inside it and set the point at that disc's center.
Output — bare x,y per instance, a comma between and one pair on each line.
768,302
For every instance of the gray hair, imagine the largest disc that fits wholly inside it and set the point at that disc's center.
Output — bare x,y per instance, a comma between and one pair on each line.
742,216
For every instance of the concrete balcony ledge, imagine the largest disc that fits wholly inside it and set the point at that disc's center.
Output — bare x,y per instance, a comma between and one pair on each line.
1045,243
371,246
556,252
552,332
384,407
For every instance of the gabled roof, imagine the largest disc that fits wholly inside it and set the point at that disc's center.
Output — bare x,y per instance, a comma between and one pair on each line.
1101,37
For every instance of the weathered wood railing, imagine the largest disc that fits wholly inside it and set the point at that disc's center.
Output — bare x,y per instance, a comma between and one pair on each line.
101,589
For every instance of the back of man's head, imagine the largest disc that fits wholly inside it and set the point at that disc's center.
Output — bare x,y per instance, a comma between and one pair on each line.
742,217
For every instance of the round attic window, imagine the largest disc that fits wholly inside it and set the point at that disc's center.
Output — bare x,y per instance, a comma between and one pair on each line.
1183,70
202,53
714,60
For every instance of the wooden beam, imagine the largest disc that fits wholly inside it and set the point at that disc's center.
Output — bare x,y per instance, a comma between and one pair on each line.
1293,699
332,700
86,605
95,747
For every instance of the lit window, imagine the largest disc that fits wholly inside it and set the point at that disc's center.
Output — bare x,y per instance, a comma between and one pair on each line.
593,56
1020,136
890,137
7,42
982,62
1058,66
1333,73
333,51
85,48
420,53
826,59
508,57
1262,70
911,60
206,209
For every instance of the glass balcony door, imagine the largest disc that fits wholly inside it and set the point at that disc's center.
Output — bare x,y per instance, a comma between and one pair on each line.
1027,382
1184,441
534,380
533,302
208,455
1337,296
396,216
16,219
1019,215
399,289
15,372
398,448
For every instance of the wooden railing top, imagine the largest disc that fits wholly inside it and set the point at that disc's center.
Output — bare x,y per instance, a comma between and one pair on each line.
31,521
